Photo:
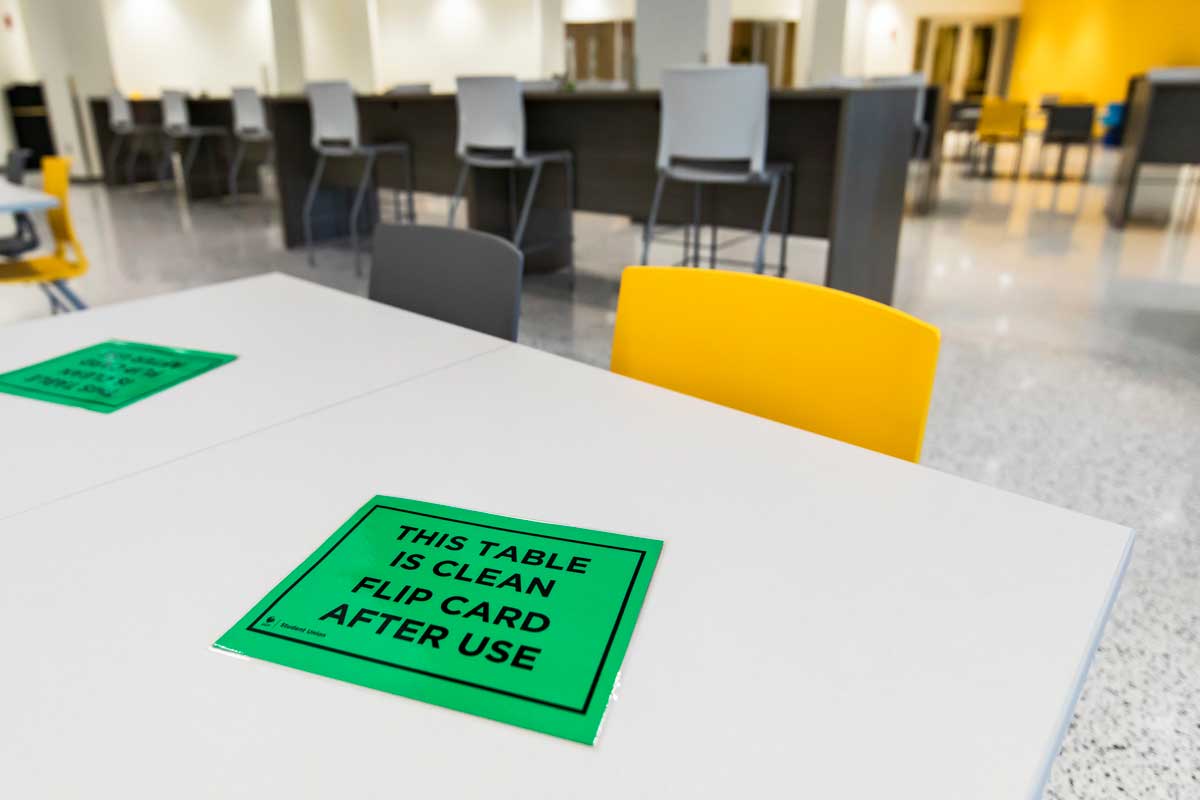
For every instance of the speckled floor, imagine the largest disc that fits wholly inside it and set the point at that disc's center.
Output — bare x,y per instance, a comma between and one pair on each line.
1070,372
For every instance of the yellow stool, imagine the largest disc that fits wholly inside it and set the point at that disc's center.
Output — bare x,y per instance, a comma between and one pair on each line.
67,261
1000,121
816,358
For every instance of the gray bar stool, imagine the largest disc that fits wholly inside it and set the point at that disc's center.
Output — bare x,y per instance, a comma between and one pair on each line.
335,134
178,127
249,127
122,127
699,147
491,135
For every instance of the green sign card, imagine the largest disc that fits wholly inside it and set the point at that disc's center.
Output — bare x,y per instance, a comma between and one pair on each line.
109,376
517,621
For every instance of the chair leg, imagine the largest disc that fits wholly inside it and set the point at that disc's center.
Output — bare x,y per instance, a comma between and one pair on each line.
712,243
1087,164
760,259
1062,161
412,182
56,305
527,206
70,295
569,169
135,145
460,186
239,153
1020,157
787,223
114,150
309,200
696,225
652,218
189,160
356,208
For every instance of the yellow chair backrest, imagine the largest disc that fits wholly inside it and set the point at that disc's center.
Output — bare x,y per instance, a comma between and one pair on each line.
823,360
56,180
1001,118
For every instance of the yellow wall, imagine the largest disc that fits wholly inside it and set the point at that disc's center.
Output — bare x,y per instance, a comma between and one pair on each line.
1091,47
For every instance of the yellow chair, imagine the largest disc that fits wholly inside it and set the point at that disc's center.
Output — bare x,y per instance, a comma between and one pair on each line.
823,360
67,261
1000,121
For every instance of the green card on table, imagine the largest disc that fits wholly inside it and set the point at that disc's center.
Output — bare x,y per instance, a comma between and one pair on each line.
521,622
109,376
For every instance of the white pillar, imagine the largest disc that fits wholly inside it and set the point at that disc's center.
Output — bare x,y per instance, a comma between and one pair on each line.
669,33
339,42
68,45
827,27
287,47
553,36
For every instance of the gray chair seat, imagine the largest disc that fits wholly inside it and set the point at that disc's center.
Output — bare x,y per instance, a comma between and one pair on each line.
693,174
189,131
528,160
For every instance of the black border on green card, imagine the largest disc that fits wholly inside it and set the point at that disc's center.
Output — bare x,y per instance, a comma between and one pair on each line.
641,554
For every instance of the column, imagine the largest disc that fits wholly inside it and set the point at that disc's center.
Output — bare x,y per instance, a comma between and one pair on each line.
338,42
288,47
826,24
670,33
553,36
68,46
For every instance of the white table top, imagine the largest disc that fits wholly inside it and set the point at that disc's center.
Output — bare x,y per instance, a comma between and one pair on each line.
825,622
21,198
300,347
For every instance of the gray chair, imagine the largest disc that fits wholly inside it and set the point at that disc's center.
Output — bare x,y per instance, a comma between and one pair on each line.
122,127
178,127
25,237
249,128
335,134
713,130
464,277
491,135
1067,125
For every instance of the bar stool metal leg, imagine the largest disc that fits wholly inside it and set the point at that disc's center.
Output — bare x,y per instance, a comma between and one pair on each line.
460,186
648,233
239,152
527,206
135,144
309,200
569,168
787,223
760,259
368,171
113,150
712,244
696,230
412,182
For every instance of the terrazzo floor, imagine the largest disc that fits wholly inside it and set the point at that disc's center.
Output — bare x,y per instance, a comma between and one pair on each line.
1069,372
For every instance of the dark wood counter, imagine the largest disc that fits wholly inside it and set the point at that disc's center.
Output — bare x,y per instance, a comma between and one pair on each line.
849,149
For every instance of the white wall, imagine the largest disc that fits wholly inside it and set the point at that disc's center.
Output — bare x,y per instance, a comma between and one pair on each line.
15,64
436,40
288,77
339,40
598,10
888,33
201,46
767,9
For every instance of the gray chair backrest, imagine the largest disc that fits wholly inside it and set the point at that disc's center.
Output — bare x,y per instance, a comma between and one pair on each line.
491,114
464,277
334,114
120,115
14,167
1069,122
410,88
249,116
175,110
714,113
